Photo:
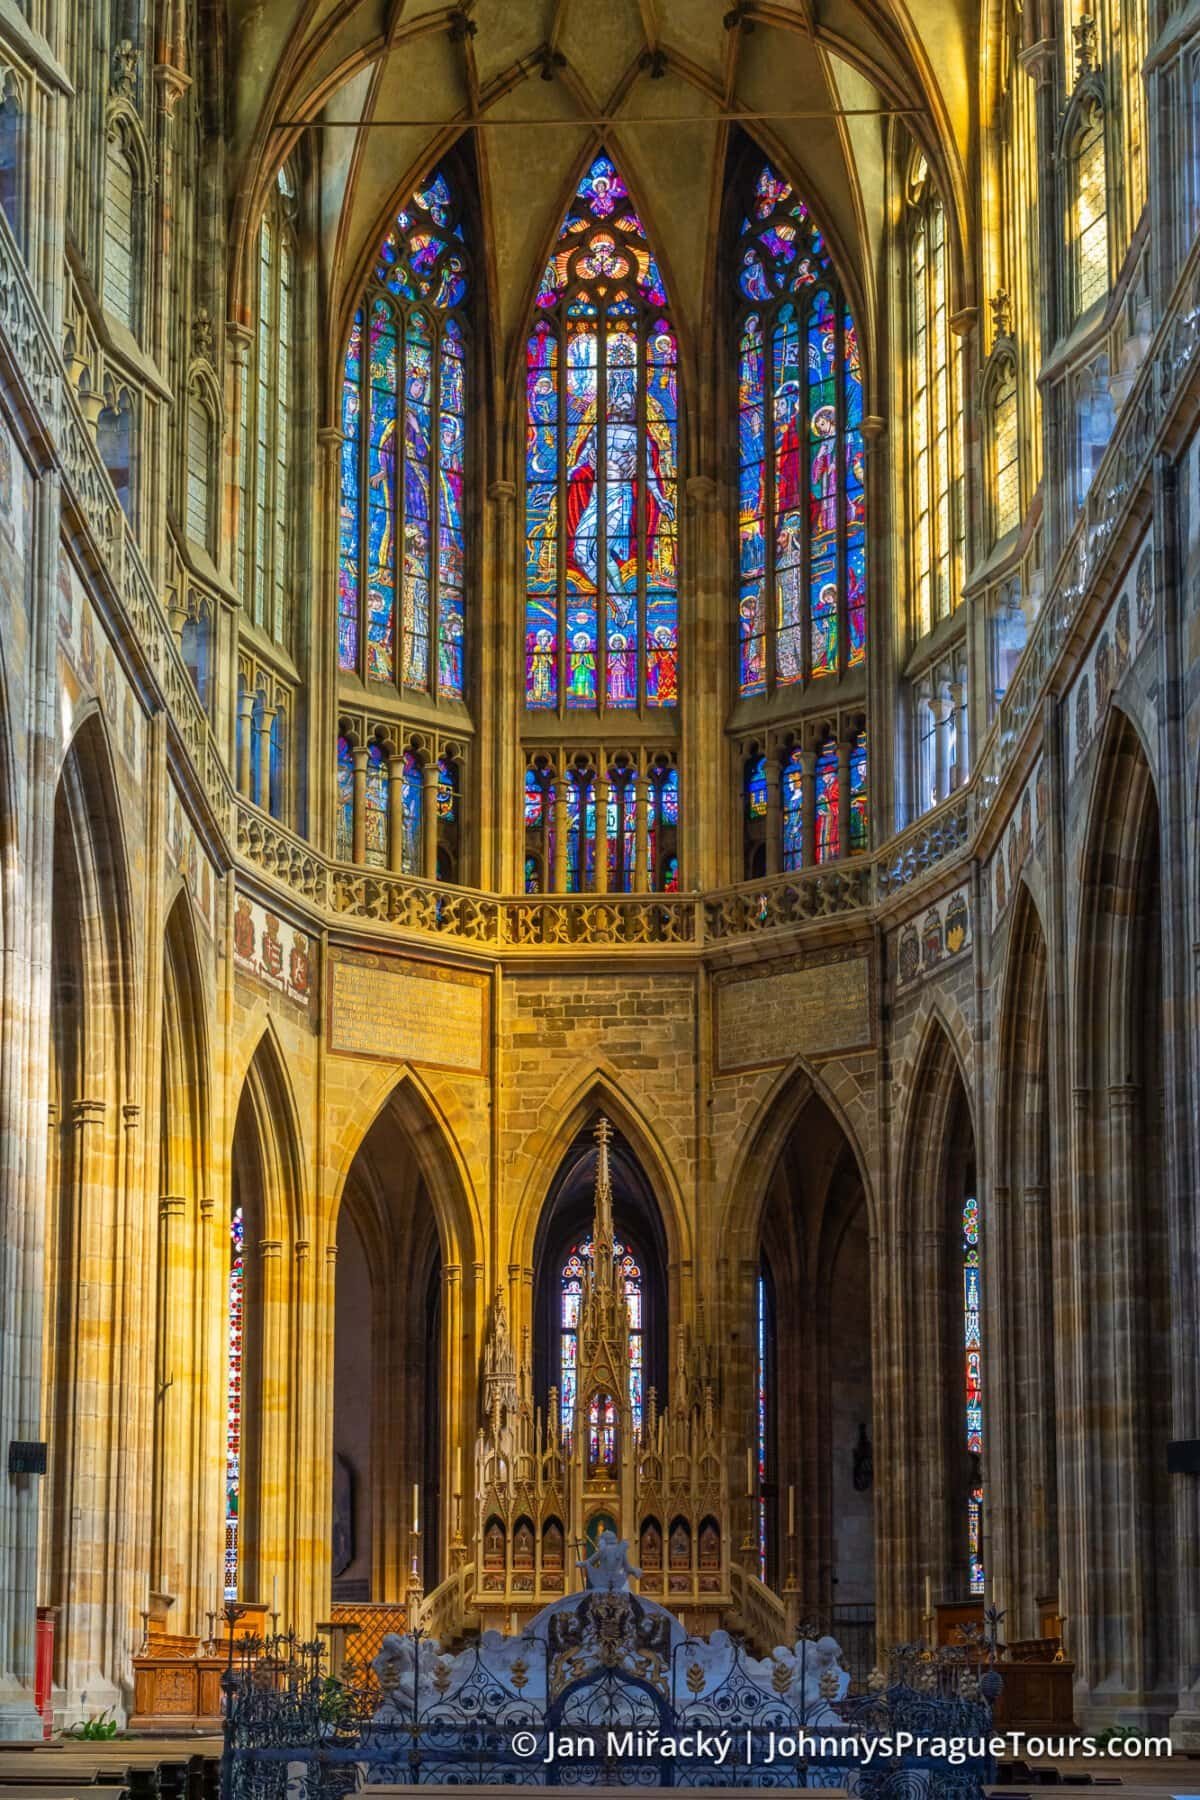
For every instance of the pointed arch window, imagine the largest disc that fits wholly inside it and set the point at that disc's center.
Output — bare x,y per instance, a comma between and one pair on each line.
1089,205
402,546
265,427
1006,467
825,777
602,410
934,411
121,270
629,1275
802,545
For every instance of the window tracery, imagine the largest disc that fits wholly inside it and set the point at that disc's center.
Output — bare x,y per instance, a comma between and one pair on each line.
266,527
934,410
402,548
802,504
601,495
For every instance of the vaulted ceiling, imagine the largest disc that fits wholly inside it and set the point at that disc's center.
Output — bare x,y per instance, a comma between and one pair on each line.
390,84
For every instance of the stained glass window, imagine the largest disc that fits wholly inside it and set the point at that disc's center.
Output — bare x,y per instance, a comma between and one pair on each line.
345,800
402,557
935,412
825,777
601,608
791,794
756,787
858,794
234,1344
659,791
802,513
1089,220
1006,468
629,1274
973,1344
266,527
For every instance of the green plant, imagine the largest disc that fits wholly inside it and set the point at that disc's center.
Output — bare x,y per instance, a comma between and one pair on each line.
1115,1734
101,1727
331,1703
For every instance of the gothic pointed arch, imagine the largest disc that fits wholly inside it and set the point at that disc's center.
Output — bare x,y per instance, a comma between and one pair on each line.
601,466
574,1103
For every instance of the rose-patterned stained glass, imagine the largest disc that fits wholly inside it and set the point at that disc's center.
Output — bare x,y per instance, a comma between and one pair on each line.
402,544
973,1348
801,503
828,824
234,1351
601,493
629,1274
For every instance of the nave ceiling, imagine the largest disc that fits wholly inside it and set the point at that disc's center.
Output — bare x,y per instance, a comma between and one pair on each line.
665,72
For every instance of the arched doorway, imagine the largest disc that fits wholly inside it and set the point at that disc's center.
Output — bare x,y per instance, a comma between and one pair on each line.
813,1418
398,1455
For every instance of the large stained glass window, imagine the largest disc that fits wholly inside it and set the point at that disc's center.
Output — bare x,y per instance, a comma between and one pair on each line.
601,608
802,514
629,1274
935,420
235,1338
402,559
973,1341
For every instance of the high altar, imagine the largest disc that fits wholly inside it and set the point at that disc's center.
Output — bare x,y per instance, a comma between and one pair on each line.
544,1494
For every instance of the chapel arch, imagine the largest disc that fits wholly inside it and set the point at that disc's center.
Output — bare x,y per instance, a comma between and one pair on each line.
927,1428
1023,1515
404,1236
93,1285
804,1314
1118,1360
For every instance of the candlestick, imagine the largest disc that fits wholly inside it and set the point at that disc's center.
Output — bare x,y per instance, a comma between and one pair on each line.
416,1522
458,1470
274,1593
749,1472
791,1512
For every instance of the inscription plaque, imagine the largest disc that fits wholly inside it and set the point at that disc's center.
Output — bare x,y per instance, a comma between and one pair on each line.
393,1009
807,1011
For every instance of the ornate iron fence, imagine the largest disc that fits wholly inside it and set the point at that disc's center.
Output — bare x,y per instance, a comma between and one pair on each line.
626,1701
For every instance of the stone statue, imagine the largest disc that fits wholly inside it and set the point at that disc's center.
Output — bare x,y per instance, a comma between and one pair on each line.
608,1568
825,1680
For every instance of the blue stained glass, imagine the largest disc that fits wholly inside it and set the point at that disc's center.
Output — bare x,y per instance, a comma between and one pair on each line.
858,794
403,608
756,788
973,1369
791,794
629,1277
344,846
802,513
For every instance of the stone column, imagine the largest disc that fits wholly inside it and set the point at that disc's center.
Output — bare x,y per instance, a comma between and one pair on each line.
429,818
395,813
940,707
171,1484
246,719
843,793
641,833
774,815
263,796
360,804
559,883
600,868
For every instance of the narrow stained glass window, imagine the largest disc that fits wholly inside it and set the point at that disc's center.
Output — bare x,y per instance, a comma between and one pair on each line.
828,832
973,1342
601,608
801,507
234,1343
859,830
402,544
792,800
629,1275
1089,221
1004,439
935,422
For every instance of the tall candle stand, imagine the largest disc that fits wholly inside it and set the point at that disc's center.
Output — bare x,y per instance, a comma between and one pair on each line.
416,1590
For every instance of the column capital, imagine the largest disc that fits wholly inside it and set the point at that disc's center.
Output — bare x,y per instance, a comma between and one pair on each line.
270,1249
